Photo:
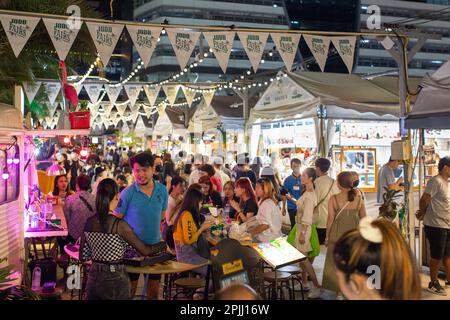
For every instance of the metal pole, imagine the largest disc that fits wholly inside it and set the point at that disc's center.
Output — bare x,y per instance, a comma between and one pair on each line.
421,181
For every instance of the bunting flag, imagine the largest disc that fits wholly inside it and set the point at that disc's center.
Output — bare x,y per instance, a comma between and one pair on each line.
221,44
144,40
62,35
171,93
148,112
189,94
152,94
78,88
105,37
125,128
183,43
319,47
52,109
121,109
52,89
161,109
254,44
286,45
134,115
113,93
93,90
346,48
108,107
18,29
132,91
208,96
31,89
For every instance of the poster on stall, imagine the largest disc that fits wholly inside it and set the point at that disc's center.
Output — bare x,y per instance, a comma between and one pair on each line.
105,38
365,134
221,44
18,30
254,44
183,43
62,35
286,45
144,40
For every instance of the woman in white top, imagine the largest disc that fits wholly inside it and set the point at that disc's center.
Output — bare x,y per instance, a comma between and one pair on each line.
269,215
305,211
177,189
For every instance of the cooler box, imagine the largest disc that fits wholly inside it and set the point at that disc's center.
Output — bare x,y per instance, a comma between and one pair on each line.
80,120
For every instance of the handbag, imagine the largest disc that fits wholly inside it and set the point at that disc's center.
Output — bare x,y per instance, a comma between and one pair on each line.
315,244
167,234
202,247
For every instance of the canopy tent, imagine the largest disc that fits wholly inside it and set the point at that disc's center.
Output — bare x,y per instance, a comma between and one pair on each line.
432,107
171,122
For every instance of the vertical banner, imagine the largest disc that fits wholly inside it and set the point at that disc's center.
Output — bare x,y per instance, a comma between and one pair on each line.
18,29
144,40
254,44
183,43
221,44
105,37
319,47
52,89
152,94
189,94
62,35
286,45
208,96
346,48
113,93
171,93
132,91
93,90
31,89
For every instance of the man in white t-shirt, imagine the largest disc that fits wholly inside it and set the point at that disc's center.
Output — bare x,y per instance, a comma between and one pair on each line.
218,163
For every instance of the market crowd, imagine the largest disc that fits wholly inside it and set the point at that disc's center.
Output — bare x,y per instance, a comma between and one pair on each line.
126,199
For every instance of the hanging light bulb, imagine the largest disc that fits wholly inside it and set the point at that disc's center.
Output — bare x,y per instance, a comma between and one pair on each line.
9,161
5,174
66,140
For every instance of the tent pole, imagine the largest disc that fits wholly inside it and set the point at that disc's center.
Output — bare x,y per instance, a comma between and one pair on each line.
421,181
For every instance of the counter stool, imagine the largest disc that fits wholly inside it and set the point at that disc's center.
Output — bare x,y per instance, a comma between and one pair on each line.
295,273
188,286
277,282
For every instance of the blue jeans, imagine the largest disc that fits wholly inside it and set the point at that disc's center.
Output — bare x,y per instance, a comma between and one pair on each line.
108,282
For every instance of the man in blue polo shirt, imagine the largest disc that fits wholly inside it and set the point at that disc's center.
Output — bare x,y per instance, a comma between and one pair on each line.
142,205
294,186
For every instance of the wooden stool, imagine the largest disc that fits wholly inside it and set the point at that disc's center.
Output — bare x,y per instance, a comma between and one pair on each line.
295,272
281,278
188,286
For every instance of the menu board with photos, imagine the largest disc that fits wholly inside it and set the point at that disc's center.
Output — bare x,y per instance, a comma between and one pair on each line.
278,253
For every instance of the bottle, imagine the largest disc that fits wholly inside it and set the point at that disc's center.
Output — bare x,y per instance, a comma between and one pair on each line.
34,220
36,281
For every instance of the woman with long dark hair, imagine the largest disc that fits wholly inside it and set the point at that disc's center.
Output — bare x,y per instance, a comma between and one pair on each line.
104,242
188,228
247,206
61,187
211,197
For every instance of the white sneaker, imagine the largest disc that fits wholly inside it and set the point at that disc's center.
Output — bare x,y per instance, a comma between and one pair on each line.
315,293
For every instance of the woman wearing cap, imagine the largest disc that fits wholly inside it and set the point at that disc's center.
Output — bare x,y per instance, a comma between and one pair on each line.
345,209
373,262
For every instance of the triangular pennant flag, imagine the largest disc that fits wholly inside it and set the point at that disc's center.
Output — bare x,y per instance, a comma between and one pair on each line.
254,44
52,109
113,93
116,120
78,88
105,37
189,94
125,128
134,115
286,45
319,47
52,89
132,91
346,48
152,93
161,109
208,95
171,93
62,35
31,89
145,40
93,90
18,29
148,112
108,107
121,109
183,43
221,44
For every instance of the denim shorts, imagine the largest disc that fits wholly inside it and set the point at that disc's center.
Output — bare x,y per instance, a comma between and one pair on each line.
108,282
187,254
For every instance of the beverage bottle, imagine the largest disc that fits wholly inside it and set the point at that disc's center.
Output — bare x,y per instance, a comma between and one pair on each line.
34,220
36,281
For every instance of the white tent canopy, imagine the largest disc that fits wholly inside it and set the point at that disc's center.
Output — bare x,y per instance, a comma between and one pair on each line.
165,127
432,107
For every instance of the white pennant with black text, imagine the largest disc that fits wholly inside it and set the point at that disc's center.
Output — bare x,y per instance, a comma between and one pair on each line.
93,90
144,40
132,91
62,35
31,89
183,43
346,48
221,44
254,44
319,47
52,89
18,29
105,37
286,45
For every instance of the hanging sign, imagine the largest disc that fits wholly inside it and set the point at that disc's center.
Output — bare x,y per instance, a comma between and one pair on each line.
31,89
152,94
221,44
52,89
62,35
286,45
93,90
208,96
105,37
18,29
132,91
113,93
254,44
346,48
189,94
183,43
144,40
319,47
171,93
